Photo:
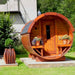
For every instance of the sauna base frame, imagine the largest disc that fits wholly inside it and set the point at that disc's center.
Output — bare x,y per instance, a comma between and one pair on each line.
38,59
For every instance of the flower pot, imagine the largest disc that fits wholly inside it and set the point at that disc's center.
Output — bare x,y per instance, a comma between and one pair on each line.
37,43
66,41
9,55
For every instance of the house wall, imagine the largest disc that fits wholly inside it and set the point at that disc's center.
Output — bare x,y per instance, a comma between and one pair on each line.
16,18
11,5
28,9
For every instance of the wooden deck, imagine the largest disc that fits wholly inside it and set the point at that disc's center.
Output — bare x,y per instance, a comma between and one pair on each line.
39,47
64,45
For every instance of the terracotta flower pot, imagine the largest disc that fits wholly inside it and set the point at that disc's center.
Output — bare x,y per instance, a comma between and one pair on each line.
66,41
37,43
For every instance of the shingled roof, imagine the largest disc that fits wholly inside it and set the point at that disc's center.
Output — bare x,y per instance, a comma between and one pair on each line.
25,30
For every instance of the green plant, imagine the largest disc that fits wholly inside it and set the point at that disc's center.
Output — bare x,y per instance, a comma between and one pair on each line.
3,1
8,42
65,37
20,49
5,29
37,39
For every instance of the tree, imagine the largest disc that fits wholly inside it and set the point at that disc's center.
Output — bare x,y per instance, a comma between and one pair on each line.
48,5
5,29
3,1
65,7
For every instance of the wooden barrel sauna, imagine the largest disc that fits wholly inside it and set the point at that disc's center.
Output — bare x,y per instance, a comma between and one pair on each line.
50,26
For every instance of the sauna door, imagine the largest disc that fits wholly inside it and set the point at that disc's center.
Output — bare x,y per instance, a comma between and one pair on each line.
48,34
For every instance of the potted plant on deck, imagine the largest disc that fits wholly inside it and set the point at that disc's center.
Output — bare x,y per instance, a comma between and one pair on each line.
36,41
65,38
9,53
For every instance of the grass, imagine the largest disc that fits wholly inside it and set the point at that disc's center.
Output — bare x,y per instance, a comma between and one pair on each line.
73,46
22,69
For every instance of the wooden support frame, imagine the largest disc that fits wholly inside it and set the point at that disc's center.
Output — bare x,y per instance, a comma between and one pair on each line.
39,47
61,46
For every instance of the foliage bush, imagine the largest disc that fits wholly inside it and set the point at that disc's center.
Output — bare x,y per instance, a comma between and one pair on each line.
65,7
5,29
6,33
20,49
3,1
9,42
73,45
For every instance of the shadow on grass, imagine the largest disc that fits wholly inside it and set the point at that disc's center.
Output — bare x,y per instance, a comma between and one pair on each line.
19,63
20,56
73,58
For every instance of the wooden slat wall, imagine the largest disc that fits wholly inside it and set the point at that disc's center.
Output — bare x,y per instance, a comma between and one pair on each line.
35,32
50,45
61,30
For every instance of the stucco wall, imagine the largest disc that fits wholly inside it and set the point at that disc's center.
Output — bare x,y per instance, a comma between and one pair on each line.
11,5
28,8
30,11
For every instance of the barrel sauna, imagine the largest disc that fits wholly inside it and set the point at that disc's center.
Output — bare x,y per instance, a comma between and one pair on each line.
50,26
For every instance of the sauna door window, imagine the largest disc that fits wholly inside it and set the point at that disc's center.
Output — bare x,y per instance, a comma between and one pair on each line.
48,31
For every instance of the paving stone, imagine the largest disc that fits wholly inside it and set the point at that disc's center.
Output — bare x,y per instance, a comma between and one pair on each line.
33,64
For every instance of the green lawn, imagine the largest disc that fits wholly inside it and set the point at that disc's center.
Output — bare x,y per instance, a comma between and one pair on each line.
22,69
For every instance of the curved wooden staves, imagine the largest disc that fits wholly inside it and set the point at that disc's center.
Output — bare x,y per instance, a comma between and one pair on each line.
28,33
9,56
